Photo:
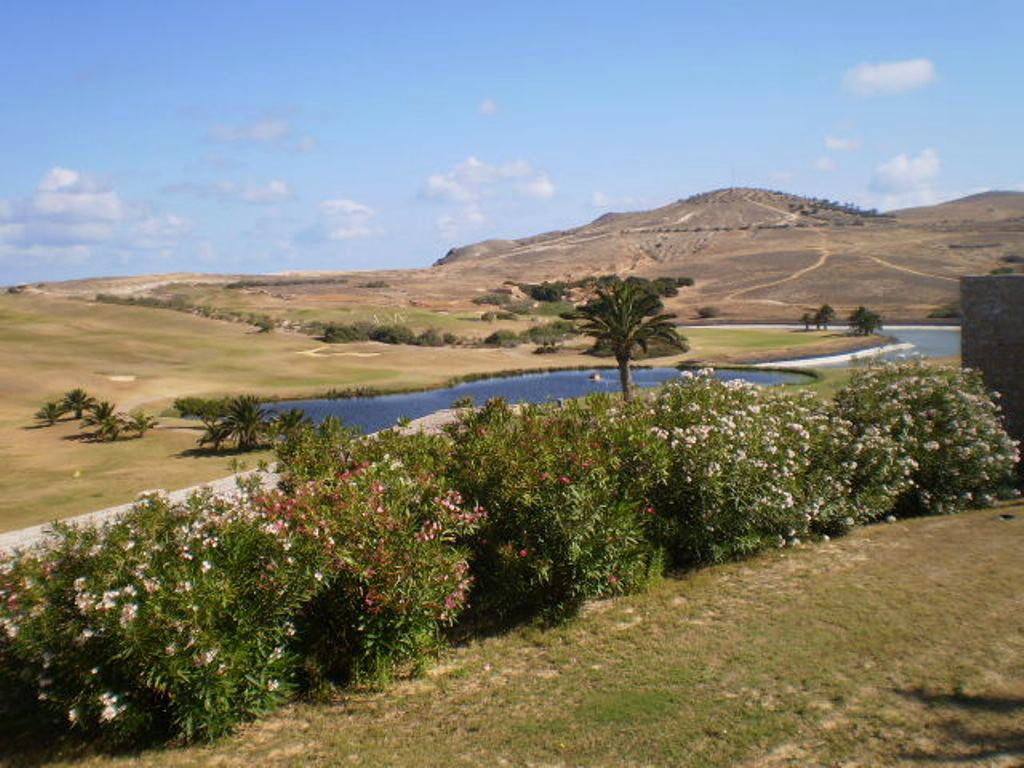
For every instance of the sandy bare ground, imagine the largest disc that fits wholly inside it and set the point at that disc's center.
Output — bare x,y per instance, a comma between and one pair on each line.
225,487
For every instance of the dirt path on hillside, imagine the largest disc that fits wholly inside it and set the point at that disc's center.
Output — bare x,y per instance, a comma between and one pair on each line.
890,265
822,260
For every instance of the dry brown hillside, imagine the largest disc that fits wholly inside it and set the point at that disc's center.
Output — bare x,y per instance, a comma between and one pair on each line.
757,254
754,254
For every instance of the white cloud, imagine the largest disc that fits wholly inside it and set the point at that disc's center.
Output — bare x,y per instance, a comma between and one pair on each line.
454,226
341,219
267,129
306,144
71,214
488,108
472,180
905,180
840,144
274,191
825,164
159,231
890,76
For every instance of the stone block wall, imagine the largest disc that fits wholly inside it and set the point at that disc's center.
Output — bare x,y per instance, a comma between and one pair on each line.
992,339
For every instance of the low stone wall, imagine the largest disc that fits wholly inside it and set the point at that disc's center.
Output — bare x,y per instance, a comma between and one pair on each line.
992,339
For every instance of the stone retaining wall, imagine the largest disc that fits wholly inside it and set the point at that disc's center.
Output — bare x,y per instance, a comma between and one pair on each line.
992,339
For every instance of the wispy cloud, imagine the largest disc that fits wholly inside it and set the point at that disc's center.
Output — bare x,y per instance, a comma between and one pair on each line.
341,219
890,76
473,179
257,131
72,213
907,180
457,224
273,191
841,144
825,164
488,108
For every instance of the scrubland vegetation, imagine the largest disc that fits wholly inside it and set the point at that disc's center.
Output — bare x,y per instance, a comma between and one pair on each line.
181,621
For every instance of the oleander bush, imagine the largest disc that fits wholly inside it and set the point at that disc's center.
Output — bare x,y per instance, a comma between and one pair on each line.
398,572
945,422
184,620
173,621
741,467
567,516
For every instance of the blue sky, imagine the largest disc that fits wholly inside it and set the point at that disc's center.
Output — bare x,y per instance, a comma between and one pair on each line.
270,136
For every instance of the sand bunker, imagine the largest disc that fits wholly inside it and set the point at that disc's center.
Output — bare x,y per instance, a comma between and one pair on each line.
328,352
121,378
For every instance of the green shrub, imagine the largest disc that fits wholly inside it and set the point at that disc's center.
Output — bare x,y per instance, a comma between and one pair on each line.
174,621
566,518
740,467
502,338
495,299
398,572
945,422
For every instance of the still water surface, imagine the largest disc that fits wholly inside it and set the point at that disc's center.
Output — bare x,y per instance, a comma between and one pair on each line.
383,411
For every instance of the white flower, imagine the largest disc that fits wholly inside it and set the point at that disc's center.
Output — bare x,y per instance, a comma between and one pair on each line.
111,708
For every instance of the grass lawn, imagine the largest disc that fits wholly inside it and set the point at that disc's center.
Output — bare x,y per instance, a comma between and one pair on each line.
141,357
900,644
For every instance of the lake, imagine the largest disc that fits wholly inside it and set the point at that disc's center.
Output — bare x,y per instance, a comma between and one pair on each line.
383,411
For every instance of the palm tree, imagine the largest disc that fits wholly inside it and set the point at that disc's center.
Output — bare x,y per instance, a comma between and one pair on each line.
103,415
98,412
77,400
216,432
246,420
625,316
290,421
140,423
110,427
49,413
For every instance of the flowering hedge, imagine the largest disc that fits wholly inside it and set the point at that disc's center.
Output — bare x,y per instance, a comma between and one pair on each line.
741,467
944,422
567,515
182,620
173,620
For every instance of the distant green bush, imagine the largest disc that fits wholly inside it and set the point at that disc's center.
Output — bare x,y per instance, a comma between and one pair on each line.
497,299
503,338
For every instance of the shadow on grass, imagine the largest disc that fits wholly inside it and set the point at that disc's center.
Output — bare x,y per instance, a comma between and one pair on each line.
207,452
28,738
43,425
965,741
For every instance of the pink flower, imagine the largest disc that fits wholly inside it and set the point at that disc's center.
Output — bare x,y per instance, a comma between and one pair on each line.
524,552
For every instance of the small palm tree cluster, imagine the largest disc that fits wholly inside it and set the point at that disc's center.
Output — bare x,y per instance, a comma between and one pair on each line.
245,422
107,422
821,318
625,317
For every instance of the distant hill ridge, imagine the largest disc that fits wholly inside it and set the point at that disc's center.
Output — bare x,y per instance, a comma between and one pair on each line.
725,209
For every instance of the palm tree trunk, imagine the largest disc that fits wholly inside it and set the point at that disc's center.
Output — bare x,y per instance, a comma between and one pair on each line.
625,377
